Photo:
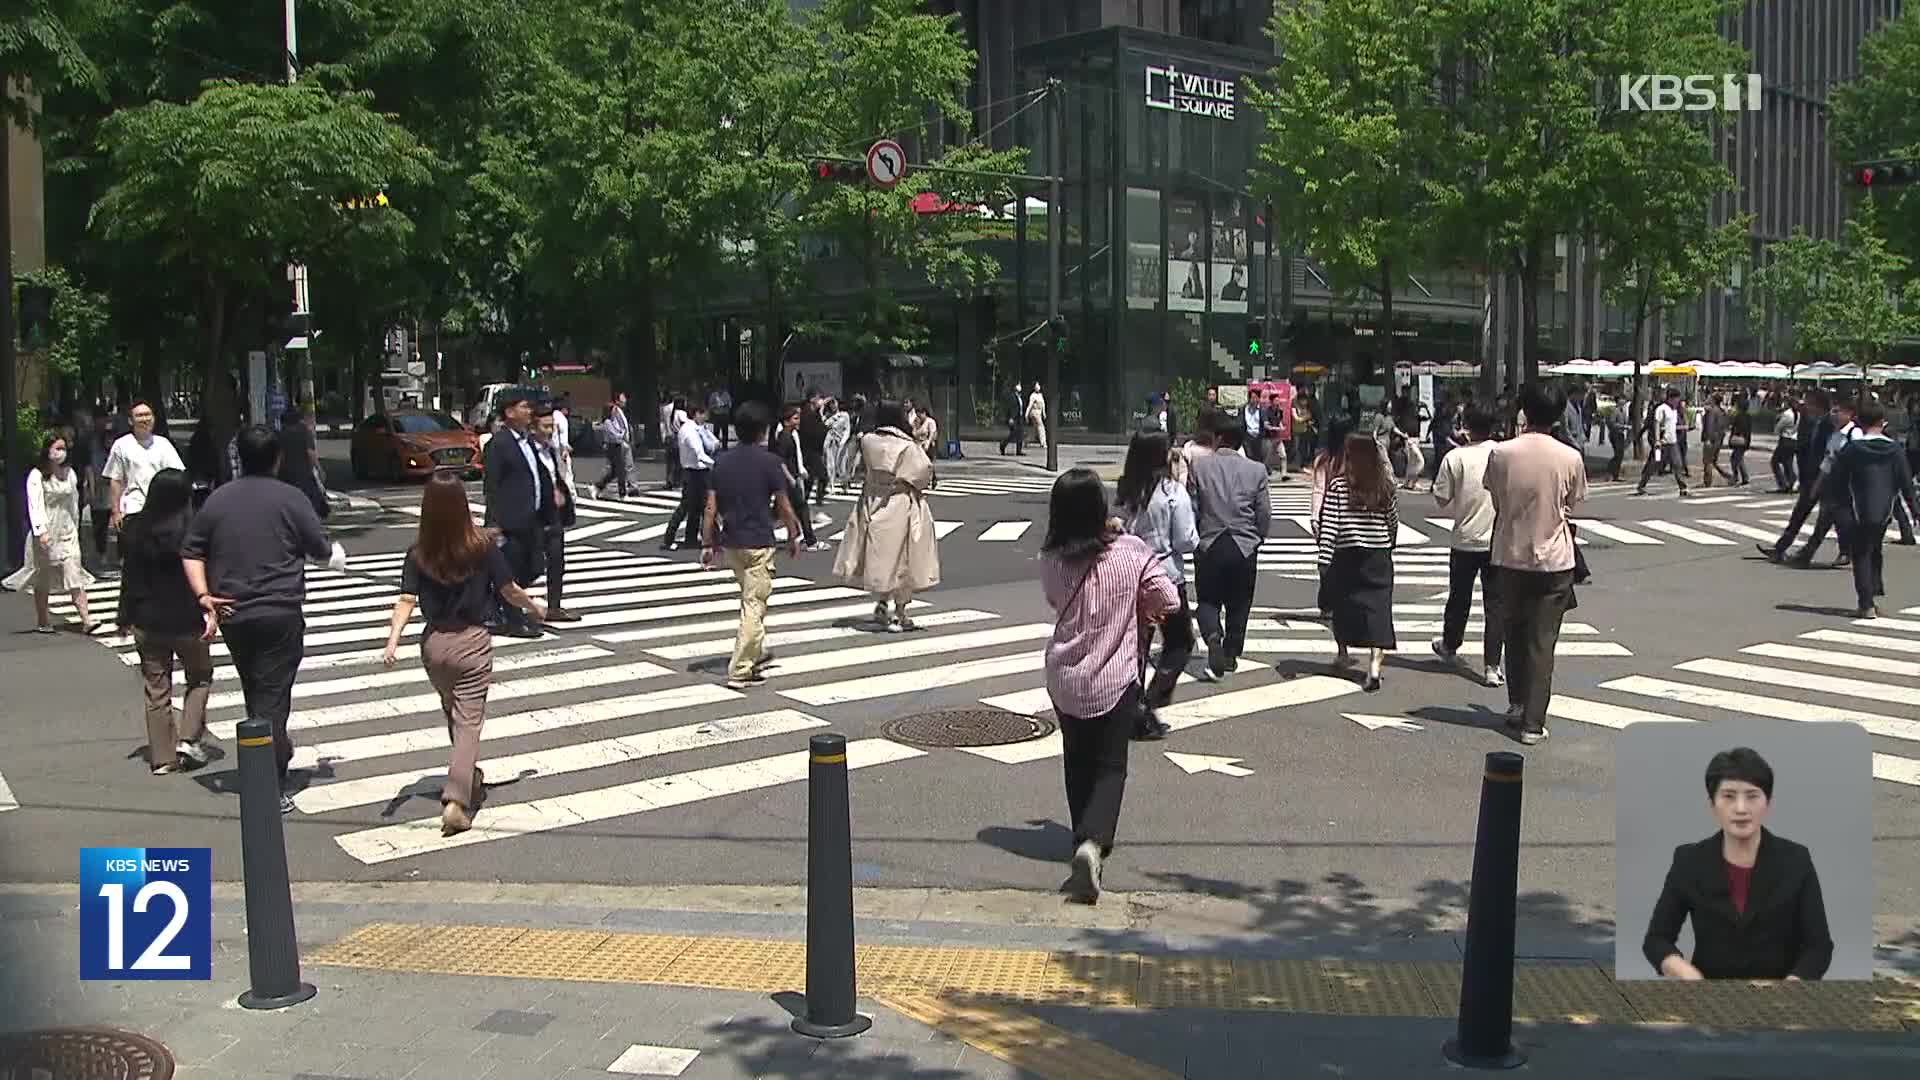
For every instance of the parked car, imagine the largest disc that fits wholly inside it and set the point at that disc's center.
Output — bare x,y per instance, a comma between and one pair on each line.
412,444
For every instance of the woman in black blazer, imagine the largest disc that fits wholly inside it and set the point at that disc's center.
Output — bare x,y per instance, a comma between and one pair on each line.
1753,897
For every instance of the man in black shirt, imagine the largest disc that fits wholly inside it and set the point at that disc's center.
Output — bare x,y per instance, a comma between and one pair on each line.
245,556
300,459
748,484
813,444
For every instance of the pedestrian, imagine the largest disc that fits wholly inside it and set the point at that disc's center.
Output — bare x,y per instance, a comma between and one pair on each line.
1913,433
813,450
1233,506
1253,420
720,408
245,556
1277,421
618,434
564,432
1328,463
1209,407
1615,419
1037,416
1358,526
101,505
926,431
1873,477
1786,447
1160,512
456,575
839,434
1815,433
695,447
749,489
1666,444
1740,439
300,459
1713,435
890,551
1683,434
519,503
1461,490
548,451
158,608
1535,481
1101,583
1015,407
789,447
53,543
1407,426
1304,422
133,461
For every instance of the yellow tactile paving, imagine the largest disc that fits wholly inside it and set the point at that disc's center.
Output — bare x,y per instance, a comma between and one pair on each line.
1559,992
1029,1044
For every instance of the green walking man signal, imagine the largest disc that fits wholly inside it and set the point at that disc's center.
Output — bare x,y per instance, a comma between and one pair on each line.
36,316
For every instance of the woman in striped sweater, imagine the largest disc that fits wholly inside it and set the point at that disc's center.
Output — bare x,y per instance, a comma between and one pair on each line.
1355,533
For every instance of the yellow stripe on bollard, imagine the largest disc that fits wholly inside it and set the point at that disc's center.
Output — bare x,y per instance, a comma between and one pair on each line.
262,740
830,759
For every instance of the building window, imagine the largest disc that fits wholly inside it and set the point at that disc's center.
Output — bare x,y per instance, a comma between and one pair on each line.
1223,21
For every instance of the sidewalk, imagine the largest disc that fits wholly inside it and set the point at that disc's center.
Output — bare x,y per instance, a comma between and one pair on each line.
472,982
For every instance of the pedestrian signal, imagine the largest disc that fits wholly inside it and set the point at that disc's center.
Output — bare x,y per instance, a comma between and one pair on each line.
1883,174
839,172
36,316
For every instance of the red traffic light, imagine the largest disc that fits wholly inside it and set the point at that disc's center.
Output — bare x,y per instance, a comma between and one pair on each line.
1883,174
839,172
1864,177
823,169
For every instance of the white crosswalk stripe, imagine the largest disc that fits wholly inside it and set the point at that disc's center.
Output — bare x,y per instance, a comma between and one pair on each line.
585,724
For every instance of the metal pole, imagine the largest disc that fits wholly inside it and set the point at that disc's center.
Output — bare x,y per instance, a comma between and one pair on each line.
1483,1038
273,949
832,984
302,393
14,480
1266,290
1056,229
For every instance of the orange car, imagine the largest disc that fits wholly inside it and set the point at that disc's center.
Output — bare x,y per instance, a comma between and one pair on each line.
411,444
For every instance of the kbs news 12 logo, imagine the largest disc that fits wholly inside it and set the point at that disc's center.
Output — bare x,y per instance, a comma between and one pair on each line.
1689,93
144,913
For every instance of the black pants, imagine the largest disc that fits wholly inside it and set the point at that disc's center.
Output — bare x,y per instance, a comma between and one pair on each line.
817,477
266,651
1784,455
1869,561
693,507
619,457
1223,577
556,559
1665,453
722,426
1740,474
797,495
1802,506
1531,605
1176,635
1837,516
1618,438
524,549
1017,435
1902,518
1462,568
1095,761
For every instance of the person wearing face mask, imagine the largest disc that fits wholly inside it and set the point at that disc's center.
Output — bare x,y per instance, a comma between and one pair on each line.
134,459
53,549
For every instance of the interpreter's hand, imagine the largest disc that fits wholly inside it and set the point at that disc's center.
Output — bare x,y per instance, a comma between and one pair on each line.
218,606
209,626
391,654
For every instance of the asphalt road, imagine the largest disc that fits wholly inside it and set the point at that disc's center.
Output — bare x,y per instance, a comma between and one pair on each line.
1325,806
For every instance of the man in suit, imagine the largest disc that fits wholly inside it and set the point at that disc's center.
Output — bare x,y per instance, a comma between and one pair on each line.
1816,431
519,503
788,443
550,450
813,447
1015,406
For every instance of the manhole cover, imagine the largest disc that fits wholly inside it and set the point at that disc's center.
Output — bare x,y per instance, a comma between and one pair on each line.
83,1054
968,727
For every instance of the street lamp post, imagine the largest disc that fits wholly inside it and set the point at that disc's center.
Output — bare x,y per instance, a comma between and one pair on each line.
1056,229
14,479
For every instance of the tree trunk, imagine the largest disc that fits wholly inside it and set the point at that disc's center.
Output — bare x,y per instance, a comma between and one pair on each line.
1390,373
217,388
643,358
1528,369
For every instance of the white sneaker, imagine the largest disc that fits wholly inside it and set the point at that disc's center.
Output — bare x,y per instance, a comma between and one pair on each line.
1496,675
1083,879
817,546
193,751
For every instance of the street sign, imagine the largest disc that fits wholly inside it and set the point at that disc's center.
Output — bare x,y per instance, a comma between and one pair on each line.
886,163
416,368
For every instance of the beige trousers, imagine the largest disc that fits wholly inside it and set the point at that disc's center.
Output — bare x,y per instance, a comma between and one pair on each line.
157,654
753,569
460,665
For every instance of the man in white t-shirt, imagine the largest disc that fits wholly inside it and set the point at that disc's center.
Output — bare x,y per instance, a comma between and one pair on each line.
1460,487
134,459
1666,444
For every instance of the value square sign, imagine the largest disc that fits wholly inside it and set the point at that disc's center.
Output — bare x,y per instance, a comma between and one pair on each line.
145,913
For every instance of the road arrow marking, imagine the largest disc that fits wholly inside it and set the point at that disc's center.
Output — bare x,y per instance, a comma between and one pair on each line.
1375,723
7,801
1199,763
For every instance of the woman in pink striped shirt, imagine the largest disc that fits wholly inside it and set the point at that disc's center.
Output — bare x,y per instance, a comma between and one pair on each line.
1100,583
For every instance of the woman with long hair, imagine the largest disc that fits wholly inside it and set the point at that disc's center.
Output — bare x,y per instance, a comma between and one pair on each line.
159,608
1326,464
1160,512
1358,525
1101,583
53,546
860,420
890,549
453,572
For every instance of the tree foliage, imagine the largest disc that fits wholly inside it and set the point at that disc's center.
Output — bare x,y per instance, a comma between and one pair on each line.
1842,298
1877,116
83,344
40,48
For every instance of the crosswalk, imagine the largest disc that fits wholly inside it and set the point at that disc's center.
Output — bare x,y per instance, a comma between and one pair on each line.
1864,675
592,722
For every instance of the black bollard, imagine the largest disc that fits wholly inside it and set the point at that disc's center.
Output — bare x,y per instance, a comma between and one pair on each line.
830,976
273,953
1484,1039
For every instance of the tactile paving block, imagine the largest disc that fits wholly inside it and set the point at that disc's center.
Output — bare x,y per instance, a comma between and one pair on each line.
458,950
1280,986
877,967
1782,1006
1569,993
1443,985
1001,975
374,945
1186,982
630,958
547,954
1898,999
740,964
1029,1044
1369,988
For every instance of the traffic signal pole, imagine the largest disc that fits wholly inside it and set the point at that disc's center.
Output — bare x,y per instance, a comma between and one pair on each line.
1056,230
14,476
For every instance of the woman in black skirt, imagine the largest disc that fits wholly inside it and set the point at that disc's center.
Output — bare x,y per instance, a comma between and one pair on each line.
1326,465
1357,527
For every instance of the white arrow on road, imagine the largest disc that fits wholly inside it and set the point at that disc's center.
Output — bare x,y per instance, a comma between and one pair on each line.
6,796
1199,763
1375,723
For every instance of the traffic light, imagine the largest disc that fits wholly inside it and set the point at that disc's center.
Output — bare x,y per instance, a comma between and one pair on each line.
839,172
376,201
1255,347
36,316
1058,326
1880,174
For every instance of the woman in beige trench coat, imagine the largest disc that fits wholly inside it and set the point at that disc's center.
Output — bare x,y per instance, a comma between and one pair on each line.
889,550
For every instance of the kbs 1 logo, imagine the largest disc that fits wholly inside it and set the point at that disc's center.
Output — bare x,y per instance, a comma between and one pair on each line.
145,913
1689,93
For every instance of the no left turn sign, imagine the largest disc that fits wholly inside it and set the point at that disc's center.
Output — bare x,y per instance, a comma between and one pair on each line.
886,163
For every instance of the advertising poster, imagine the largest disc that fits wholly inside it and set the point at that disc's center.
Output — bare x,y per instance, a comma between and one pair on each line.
1188,284
798,378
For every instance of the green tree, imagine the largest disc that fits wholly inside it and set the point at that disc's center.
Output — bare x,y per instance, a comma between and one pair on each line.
1845,297
1877,116
40,51
1354,137
83,346
242,180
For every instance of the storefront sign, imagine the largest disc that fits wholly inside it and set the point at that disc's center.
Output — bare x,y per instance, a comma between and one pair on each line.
1202,95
